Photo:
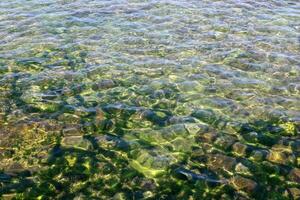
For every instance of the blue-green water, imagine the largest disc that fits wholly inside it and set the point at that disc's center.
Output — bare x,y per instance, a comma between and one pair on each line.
150,99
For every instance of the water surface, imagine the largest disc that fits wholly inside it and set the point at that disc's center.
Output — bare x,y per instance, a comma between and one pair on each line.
150,99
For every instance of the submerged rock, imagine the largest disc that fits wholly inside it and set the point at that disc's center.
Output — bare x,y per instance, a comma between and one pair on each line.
208,137
251,136
152,163
14,168
195,128
111,142
104,84
245,184
190,175
219,161
225,142
239,148
258,155
294,175
242,169
281,157
190,86
206,115
76,142
72,131
294,192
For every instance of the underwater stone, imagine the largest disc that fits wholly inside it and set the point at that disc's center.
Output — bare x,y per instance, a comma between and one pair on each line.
294,87
49,106
219,161
245,184
225,142
104,84
289,129
194,128
240,95
239,148
114,108
148,184
218,102
179,119
296,146
295,193
190,86
108,142
148,195
248,83
119,196
221,71
163,93
190,175
9,196
294,175
158,84
69,118
183,109
258,155
233,127
208,137
152,163
72,131
76,142
164,104
159,94
270,167
251,137
14,168
182,144
207,116
242,169
281,157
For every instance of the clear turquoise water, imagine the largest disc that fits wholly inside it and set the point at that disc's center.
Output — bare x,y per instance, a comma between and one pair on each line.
150,99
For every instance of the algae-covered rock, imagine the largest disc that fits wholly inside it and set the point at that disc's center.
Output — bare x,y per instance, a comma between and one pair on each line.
14,168
9,196
258,155
244,184
294,175
281,157
119,196
72,131
35,97
76,142
239,148
69,118
111,142
182,144
224,142
289,128
294,192
223,162
251,136
196,128
242,169
158,84
163,135
104,84
206,115
190,175
152,163
180,119
190,86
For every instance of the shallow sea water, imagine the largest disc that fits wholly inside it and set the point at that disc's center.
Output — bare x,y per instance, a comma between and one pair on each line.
149,99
